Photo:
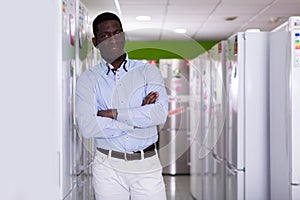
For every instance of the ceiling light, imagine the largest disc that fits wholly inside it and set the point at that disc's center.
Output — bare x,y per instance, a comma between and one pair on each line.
253,30
118,7
143,18
180,30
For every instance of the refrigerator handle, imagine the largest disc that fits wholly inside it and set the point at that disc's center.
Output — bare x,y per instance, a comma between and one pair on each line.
217,158
59,171
74,149
188,157
188,111
189,140
295,184
232,169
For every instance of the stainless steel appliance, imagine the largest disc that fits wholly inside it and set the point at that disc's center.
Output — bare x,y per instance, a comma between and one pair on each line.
173,136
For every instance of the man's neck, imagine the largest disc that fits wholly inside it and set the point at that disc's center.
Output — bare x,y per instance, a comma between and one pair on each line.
117,63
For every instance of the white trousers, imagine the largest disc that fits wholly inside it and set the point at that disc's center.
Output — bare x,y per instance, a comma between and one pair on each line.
118,179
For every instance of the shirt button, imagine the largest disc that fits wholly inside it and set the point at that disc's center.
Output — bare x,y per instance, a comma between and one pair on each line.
122,102
127,138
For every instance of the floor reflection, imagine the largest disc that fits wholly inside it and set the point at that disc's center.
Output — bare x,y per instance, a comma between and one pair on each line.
178,187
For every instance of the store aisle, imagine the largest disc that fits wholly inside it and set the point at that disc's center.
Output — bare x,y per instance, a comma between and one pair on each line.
178,187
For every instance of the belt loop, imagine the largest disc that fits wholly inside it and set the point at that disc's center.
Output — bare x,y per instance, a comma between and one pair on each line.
142,155
109,154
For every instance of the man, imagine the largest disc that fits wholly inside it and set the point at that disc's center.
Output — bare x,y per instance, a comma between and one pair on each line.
120,103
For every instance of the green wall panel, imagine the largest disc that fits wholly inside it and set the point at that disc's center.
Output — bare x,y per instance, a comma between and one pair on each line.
155,50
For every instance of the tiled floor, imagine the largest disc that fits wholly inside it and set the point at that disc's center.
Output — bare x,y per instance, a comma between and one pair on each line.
178,187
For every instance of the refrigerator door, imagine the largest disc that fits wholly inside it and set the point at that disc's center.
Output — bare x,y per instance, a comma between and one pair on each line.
232,137
67,92
295,192
207,143
285,110
177,85
218,109
218,55
294,25
256,116
280,64
199,98
78,151
247,124
84,148
174,140
178,118
177,76
173,136
173,145
195,110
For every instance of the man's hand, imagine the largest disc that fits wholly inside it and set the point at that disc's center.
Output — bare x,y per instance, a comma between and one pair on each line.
150,98
110,113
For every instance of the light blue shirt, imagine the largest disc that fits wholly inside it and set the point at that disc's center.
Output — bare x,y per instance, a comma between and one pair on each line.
135,128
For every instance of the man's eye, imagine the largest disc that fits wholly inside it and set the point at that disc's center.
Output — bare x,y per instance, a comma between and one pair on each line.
118,32
104,36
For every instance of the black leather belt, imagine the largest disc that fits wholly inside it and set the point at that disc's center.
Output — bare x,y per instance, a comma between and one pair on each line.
137,155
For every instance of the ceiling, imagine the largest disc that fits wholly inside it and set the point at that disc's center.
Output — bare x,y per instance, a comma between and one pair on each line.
203,19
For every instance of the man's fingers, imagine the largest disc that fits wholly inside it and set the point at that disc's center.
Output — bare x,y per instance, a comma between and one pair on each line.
150,98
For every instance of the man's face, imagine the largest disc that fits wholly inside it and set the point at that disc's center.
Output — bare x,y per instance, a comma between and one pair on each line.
110,40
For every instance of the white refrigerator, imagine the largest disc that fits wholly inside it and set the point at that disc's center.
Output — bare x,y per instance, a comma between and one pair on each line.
77,55
216,134
44,156
207,102
196,172
285,110
247,164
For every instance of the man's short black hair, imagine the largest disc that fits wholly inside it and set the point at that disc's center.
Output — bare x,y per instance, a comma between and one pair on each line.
103,17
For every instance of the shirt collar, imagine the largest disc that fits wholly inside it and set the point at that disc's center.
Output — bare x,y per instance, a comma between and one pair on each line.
110,68
103,61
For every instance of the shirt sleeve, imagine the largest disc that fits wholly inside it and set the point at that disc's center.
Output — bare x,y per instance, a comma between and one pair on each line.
150,114
89,124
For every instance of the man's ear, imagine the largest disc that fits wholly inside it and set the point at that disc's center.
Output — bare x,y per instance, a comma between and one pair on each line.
94,40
